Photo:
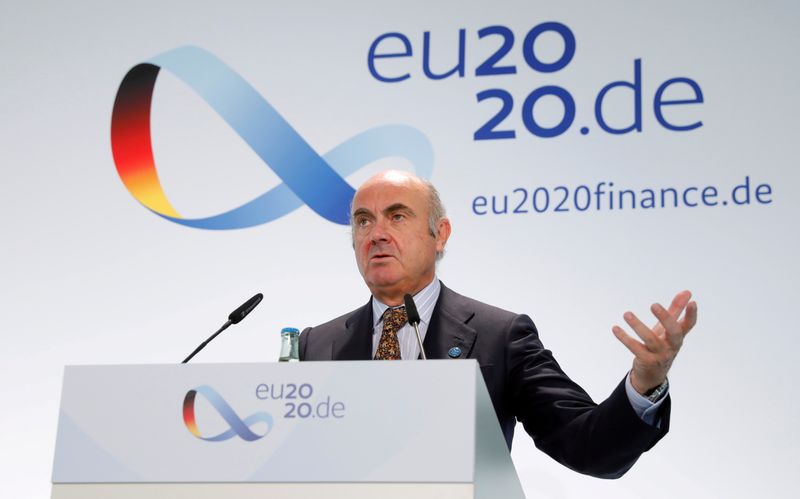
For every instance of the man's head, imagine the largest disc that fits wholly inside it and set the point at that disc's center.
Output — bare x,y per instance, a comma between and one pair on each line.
399,231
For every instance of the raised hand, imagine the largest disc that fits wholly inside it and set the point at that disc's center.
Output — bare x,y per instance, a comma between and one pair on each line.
653,356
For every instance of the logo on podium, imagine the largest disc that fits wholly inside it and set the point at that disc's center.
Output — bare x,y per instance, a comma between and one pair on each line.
238,426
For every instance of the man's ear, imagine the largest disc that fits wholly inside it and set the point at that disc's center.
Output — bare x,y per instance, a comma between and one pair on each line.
443,234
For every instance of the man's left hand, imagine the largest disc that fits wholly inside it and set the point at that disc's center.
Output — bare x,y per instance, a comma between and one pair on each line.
653,356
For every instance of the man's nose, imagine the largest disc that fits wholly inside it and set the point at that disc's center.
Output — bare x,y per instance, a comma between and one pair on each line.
379,232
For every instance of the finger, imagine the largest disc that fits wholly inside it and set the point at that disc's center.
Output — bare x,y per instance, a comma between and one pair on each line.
690,319
642,331
675,308
635,347
679,303
673,332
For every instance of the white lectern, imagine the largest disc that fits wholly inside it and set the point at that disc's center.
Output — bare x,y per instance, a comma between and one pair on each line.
422,429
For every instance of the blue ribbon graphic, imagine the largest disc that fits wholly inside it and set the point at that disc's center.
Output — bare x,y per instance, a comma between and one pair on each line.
238,426
309,178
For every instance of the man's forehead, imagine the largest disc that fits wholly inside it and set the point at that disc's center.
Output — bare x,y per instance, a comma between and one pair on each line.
382,193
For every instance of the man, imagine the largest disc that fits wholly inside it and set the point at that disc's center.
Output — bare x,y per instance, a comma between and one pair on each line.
399,231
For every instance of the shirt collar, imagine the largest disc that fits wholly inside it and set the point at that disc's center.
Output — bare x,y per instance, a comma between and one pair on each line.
424,300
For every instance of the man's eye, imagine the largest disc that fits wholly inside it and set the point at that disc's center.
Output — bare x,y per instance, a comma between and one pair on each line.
398,217
362,222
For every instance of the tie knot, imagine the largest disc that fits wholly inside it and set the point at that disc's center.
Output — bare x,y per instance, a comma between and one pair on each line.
394,318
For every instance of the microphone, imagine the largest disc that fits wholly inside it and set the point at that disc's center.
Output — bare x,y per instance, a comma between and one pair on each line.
247,307
235,317
413,319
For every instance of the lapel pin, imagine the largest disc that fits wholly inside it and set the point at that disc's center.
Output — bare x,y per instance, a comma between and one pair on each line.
454,353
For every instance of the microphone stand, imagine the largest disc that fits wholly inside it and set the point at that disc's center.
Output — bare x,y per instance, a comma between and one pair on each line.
203,344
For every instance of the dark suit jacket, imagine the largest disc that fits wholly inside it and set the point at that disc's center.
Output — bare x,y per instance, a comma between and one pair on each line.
524,382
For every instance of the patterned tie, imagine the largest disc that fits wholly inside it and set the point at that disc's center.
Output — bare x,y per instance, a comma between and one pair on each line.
389,347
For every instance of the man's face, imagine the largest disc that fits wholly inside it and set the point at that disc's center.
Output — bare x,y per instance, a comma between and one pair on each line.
395,251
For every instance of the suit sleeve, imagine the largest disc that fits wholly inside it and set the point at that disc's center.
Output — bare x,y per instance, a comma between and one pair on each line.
304,342
602,440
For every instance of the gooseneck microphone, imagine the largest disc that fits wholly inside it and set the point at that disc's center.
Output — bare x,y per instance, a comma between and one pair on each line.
413,319
235,317
240,313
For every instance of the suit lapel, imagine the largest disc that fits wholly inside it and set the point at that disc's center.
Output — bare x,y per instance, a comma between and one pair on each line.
448,327
355,343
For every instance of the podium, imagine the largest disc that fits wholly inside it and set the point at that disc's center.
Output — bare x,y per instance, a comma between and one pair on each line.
358,429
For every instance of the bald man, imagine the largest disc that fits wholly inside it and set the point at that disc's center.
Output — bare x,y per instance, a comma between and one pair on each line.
399,231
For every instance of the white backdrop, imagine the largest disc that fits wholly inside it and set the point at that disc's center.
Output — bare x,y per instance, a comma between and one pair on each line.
91,277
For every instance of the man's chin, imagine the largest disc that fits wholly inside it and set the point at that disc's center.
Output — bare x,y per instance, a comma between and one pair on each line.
382,281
